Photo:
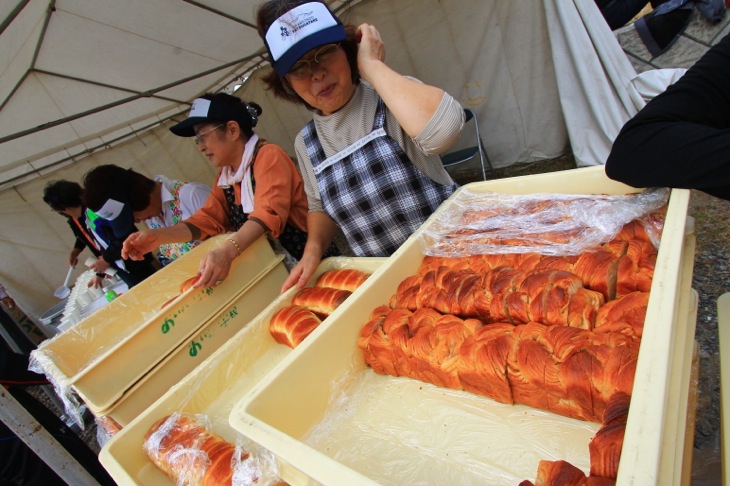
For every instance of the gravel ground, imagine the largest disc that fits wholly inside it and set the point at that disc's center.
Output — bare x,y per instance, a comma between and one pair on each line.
711,279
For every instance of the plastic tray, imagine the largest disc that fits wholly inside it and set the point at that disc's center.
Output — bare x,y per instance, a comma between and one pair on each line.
361,430
214,387
203,343
105,354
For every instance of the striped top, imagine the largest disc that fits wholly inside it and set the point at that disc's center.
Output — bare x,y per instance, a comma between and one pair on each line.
355,120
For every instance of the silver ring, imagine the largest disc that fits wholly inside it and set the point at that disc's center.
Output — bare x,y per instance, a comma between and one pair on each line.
218,282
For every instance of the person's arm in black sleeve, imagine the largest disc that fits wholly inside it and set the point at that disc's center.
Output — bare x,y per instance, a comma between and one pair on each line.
681,138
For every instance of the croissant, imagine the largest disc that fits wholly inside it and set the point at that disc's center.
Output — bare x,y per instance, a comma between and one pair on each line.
320,300
291,324
344,279
188,453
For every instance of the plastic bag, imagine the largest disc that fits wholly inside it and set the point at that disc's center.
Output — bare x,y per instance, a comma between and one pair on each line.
190,460
478,223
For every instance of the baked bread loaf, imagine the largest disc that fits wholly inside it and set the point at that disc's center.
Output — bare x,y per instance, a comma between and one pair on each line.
344,279
190,454
321,300
605,447
292,323
565,370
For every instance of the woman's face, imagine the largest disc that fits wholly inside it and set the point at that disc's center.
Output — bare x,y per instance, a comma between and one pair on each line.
326,85
214,142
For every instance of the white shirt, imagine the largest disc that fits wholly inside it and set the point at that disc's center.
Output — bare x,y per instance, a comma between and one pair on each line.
192,197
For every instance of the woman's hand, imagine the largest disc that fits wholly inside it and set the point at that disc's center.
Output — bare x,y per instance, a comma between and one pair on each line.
100,265
73,258
301,273
215,266
96,282
140,243
370,50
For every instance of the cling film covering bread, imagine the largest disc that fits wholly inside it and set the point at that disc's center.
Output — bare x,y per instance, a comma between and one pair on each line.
551,224
183,446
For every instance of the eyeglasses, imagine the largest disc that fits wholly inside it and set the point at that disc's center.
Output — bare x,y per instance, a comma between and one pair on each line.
303,68
200,137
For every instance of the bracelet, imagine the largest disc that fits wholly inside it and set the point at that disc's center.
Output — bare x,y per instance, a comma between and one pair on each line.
233,242
100,274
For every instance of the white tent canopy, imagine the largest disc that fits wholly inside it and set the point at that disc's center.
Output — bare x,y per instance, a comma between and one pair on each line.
85,83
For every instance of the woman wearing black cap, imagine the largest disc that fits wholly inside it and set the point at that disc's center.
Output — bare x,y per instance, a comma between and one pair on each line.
369,157
258,190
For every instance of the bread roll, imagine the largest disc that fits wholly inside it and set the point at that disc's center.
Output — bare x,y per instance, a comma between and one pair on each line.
344,279
190,454
291,324
321,300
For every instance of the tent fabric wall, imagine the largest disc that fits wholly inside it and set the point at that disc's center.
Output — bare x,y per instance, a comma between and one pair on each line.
475,54
544,78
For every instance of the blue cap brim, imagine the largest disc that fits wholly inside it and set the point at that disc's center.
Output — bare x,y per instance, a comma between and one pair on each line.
330,35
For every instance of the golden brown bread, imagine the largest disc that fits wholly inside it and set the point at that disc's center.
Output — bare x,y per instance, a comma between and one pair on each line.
291,324
636,268
343,279
625,314
320,300
605,447
565,370
188,453
183,287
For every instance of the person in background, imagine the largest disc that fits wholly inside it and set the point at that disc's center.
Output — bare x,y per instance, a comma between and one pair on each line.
369,157
258,190
65,198
159,203
681,138
618,13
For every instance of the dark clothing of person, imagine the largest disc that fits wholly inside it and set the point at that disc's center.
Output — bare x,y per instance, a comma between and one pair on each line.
619,12
681,138
136,271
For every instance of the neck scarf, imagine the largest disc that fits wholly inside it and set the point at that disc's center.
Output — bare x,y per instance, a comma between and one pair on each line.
242,175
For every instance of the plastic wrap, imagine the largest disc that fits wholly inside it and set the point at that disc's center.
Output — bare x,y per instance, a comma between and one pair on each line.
451,437
104,354
477,223
213,388
182,445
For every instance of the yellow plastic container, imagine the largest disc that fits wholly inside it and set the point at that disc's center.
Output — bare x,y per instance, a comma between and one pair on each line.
194,350
326,415
213,387
102,356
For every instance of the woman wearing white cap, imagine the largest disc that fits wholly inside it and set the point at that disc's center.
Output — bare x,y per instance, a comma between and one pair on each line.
258,190
369,157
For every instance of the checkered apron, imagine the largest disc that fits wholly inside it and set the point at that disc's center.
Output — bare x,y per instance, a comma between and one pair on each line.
372,190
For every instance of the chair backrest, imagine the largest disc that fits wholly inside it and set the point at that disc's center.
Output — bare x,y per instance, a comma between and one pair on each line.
463,155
